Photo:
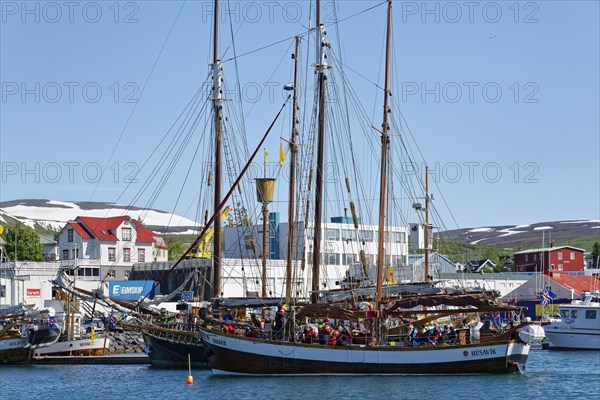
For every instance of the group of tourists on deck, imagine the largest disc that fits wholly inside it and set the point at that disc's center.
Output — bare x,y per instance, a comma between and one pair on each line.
433,335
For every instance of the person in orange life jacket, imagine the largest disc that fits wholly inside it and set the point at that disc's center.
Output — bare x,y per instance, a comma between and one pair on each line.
229,329
325,328
256,322
333,338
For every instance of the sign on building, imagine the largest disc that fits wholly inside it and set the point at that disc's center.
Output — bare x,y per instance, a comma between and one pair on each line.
130,290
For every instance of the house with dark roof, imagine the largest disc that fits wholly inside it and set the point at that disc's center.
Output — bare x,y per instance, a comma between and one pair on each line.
51,249
479,265
107,248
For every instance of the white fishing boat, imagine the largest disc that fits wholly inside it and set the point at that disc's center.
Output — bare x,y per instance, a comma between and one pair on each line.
76,347
579,325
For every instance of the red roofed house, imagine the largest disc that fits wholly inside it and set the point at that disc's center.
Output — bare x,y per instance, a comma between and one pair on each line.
553,261
107,248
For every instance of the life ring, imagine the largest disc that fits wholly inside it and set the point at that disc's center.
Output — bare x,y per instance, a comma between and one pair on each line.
365,306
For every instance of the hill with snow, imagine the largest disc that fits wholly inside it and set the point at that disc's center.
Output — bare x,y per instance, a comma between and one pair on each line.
528,234
54,214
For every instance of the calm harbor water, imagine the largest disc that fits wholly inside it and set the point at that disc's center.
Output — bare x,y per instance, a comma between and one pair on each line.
564,375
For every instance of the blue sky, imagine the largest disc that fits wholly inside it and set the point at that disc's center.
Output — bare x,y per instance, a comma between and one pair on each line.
503,97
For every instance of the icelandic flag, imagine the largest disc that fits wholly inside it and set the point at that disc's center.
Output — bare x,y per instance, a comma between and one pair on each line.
547,296
496,320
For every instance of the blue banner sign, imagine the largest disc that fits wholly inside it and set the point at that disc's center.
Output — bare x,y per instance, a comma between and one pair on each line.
130,290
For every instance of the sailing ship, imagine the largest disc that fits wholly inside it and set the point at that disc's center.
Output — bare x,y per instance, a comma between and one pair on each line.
505,350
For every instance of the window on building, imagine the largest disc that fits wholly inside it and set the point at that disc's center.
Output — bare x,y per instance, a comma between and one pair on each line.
332,259
398,237
95,271
366,236
535,257
348,259
526,257
572,255
127,255
141,255
126,234
2,290
347,234
127,274
65,254
111,273
590,314
560,255
560,267
69,235
332,234
112,254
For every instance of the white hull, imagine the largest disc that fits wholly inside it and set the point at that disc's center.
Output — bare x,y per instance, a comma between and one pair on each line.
76,347
578,327
564,338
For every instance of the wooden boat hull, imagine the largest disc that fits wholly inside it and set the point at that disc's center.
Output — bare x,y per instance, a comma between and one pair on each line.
239,355
13,351
80,347
168,348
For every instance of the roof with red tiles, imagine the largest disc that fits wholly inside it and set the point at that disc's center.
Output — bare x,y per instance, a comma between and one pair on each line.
144,234
80,229
101,227
579,283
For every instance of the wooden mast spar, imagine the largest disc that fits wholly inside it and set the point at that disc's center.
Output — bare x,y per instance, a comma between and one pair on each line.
383,182
294,151
322,76
217,107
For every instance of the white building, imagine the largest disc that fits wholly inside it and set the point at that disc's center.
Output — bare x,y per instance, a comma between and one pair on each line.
107,248
341,245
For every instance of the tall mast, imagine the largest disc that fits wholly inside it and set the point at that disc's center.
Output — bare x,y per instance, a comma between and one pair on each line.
294,150
217,106
384,146
426,224
322,76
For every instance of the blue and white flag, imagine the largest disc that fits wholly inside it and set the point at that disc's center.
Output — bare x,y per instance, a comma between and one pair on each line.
547,296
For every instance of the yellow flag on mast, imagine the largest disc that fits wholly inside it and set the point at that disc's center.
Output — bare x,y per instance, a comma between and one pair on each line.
281,155
266,154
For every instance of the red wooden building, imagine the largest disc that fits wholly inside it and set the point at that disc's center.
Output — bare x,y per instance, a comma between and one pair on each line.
550,260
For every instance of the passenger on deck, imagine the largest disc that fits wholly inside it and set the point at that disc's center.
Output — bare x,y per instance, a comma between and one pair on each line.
256,322
228,316
278,326
229,329
452,336
251,332
325,328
